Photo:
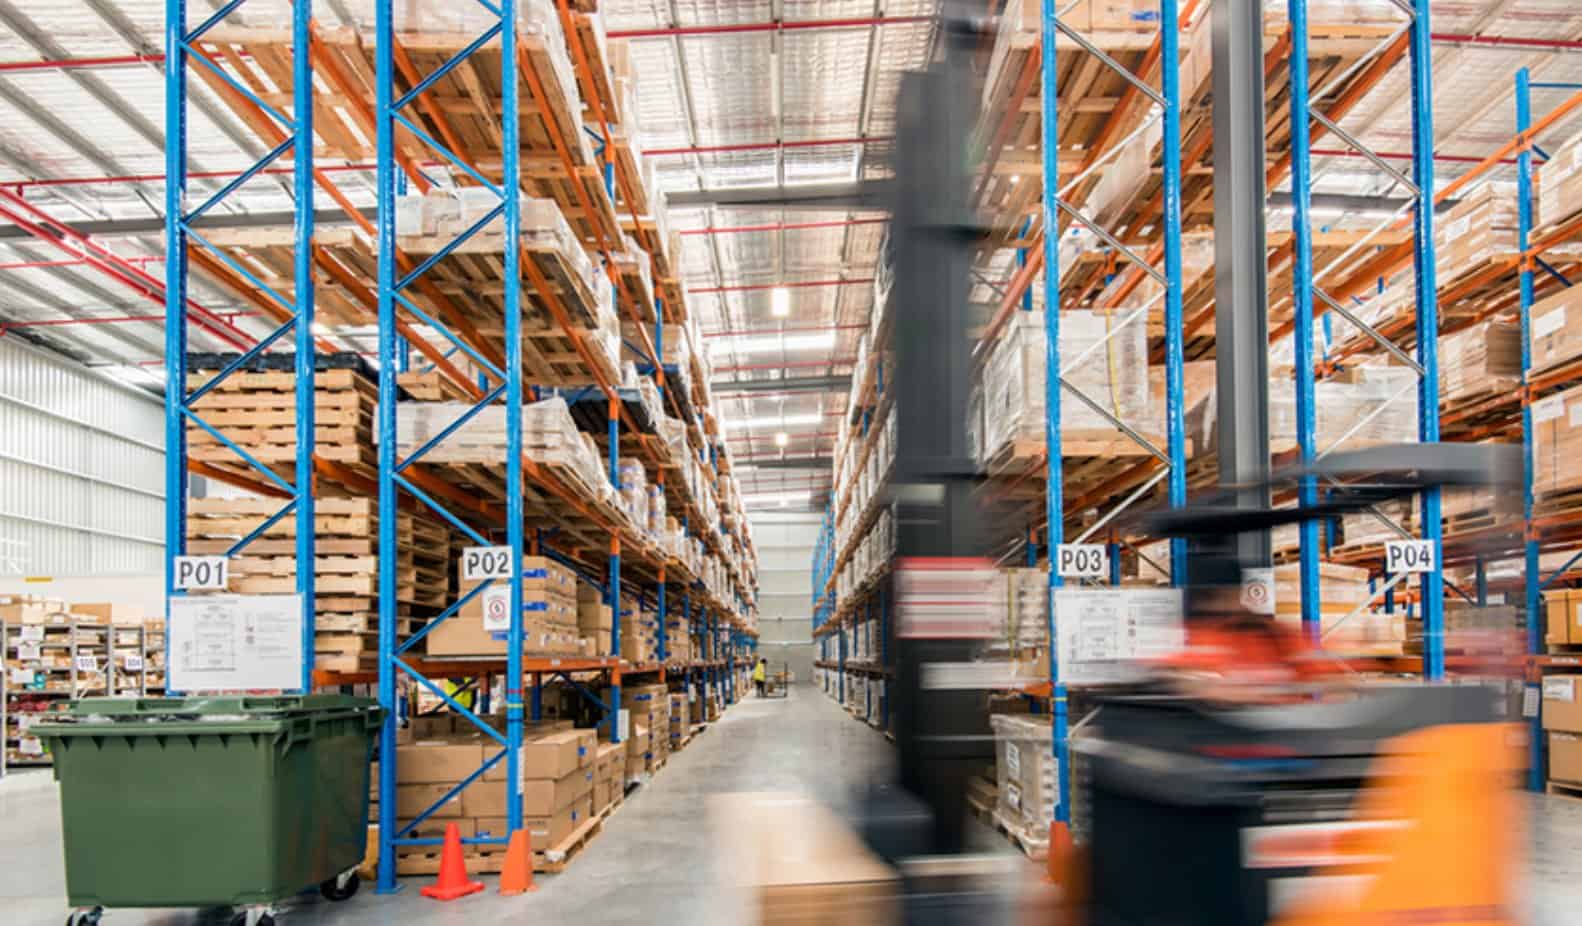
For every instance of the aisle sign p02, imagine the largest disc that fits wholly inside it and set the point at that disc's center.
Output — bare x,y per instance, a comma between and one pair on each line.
479,563
1408,556
1083,560
201,573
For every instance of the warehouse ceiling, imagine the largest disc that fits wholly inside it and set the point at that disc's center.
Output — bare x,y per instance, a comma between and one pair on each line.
759,118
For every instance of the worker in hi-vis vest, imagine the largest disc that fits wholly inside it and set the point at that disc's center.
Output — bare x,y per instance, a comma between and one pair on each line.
759,675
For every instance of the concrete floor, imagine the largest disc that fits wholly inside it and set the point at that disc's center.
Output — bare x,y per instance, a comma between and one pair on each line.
655,862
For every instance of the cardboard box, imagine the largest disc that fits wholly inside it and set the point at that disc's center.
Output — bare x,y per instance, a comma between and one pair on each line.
542,797
110,613
802,863
551,830
607,760
556,755
603,793
438,762
1563,616
1557,442
412,800
1562,707
432,726
1565,758
484,799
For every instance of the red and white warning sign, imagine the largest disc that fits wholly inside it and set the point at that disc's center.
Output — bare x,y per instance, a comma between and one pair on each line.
497,609
1257,590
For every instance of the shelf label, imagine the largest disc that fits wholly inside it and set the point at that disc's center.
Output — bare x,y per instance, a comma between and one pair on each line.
27,651
1409,556
201,573
480,563
30,746
87,663
33,632
133,662
23,677
1083,560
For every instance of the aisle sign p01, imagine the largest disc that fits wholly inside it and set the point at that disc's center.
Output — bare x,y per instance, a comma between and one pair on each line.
1408,556
1083,560
195,573
479,563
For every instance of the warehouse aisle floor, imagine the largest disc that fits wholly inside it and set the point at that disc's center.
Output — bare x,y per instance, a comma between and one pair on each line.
654,862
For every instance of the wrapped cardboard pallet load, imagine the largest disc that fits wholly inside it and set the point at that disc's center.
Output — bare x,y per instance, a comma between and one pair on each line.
480,627
1342,590
1556,329
1106,360
1026,774
1560,184
1557,447
1481,361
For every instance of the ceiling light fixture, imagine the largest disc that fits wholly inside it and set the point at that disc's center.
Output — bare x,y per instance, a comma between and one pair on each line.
782,438
783,421
780,302
767,344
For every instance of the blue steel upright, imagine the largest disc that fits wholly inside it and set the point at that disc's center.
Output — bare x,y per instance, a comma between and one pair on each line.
1054,502
495,385
1432,585
1531,586
1302,312
1175,387
296,311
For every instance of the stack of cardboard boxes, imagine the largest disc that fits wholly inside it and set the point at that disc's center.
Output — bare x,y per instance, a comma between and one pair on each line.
593,621
647,708
680,720
559,769
1562,720
550,623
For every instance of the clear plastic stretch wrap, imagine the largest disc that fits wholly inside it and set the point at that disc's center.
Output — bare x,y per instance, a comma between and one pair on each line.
1026,773
1112,371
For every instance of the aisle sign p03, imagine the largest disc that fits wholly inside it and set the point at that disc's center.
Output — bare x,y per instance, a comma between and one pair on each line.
201,573
1408,556
479,563
1083,560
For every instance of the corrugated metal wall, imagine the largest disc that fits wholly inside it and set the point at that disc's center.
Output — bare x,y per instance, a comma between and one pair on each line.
785,598
81,468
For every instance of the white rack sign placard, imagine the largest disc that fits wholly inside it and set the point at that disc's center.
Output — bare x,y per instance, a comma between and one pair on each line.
235,642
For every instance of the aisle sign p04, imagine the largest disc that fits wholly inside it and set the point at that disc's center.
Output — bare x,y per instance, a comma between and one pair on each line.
201,573
479,563
1083,560
1408,556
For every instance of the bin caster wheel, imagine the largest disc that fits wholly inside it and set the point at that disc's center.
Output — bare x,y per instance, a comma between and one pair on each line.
264,919
85,917
341,888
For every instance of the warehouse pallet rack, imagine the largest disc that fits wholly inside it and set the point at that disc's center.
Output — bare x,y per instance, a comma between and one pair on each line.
1347,62
247,65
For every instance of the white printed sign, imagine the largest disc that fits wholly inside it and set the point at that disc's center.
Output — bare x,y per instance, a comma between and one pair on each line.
1257,590
1549,322
22,677
1549,409
27,651
1103,634
479,563
132,662
195,573
1013,759
235,642
1408,556
33,633
1559,689
87,664
497,610
1083,560
30,746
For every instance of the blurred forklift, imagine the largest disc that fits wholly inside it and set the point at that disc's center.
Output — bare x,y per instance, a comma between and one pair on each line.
1251,780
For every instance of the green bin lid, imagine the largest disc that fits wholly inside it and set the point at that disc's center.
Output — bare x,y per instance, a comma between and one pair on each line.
230,706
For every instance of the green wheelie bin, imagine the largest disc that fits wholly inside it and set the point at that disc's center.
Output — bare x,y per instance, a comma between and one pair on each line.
212,801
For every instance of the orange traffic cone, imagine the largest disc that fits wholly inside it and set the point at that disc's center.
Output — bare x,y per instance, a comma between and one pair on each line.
516,875
1060,850
452,881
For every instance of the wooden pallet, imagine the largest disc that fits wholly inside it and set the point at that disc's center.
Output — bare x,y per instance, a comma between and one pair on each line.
1567,790
1013,831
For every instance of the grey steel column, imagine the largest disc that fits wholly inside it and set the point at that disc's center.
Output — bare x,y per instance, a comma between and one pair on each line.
1241,323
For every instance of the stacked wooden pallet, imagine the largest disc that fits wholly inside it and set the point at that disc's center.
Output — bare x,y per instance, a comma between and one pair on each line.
346,572
257,411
